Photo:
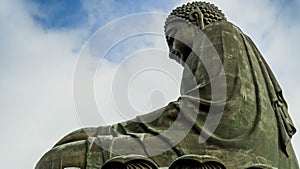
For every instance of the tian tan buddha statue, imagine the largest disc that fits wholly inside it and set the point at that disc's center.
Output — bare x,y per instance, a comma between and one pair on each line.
231,113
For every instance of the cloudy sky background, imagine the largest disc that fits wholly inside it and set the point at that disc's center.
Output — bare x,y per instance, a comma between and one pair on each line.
42,40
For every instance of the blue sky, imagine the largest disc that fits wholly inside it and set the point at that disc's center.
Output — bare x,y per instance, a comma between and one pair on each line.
59,14
55,14
69,14
41,41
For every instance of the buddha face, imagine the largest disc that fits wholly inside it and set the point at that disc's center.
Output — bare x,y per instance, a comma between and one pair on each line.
181,36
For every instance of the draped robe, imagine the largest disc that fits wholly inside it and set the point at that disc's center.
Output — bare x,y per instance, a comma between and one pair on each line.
254,129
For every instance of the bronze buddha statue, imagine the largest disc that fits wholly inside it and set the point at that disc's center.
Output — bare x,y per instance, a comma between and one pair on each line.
234,116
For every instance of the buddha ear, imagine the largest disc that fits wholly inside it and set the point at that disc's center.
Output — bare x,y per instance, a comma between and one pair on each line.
196,15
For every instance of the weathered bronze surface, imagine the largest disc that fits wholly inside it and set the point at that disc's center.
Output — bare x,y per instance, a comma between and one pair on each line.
253,132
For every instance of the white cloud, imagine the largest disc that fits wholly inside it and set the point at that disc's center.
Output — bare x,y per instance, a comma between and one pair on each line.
121,41
36,86
144,82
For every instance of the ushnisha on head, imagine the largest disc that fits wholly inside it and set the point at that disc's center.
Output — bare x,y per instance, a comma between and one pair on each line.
180,26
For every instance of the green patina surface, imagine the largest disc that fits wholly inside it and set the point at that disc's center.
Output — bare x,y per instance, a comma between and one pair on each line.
254,130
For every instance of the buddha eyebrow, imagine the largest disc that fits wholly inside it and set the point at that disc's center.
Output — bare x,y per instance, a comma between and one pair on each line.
172,30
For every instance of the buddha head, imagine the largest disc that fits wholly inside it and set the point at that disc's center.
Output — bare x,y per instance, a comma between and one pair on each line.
182,24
